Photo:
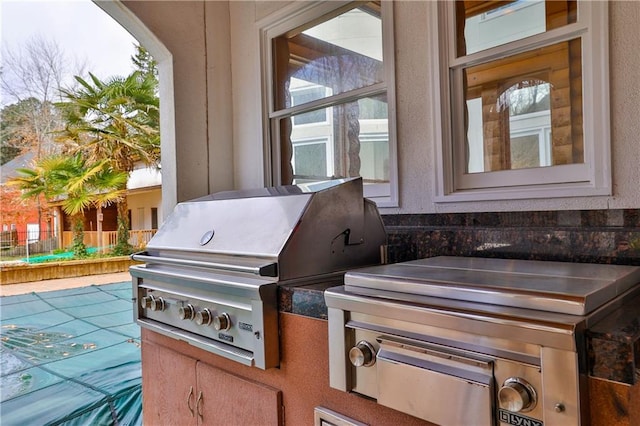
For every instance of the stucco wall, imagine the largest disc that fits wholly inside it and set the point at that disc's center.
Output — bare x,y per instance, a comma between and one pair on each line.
145,200
229,33
197,35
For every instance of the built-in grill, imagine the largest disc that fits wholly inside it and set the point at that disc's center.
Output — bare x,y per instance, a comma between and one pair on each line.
473,341
211,272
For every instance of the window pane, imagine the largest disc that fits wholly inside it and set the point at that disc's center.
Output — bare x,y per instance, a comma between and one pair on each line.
525,152
302,93
309,159
486,24
341,54
353,141
534,93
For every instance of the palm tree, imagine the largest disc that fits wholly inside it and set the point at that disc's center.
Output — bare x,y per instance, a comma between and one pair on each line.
77,183
115,121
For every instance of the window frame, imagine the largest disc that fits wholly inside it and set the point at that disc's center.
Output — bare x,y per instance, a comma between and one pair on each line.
592,178
308,14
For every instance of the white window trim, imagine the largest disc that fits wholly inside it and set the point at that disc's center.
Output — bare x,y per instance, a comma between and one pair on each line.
593,178
293,16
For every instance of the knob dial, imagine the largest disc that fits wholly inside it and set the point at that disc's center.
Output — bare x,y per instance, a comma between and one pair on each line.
222,322
186,312
157,304
203,317
517,395
145,302
363,354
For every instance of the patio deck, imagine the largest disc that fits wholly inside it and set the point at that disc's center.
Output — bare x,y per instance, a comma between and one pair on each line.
70,356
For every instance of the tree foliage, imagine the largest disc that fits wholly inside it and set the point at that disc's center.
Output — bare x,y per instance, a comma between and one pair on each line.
25,126
32,75
74,182
117,121
103,128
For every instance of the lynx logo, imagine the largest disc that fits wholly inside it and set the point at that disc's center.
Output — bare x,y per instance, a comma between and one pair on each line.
244,326
516,419
225,337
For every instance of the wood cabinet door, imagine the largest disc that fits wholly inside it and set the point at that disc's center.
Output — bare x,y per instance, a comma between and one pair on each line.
231,400
168,386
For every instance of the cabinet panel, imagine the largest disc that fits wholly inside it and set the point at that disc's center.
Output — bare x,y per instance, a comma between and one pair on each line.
169,387
228,399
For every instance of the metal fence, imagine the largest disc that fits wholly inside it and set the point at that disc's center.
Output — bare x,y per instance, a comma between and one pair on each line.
16,245
25,243
138,238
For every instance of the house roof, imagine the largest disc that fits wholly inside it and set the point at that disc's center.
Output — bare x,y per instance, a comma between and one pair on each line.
144,177
8,169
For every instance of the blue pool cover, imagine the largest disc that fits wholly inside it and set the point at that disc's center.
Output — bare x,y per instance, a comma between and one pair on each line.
70,357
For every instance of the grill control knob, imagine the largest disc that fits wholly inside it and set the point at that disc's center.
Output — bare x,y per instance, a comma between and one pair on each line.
222,322
363,354
157,304
203,317
517,395
146,301
186,312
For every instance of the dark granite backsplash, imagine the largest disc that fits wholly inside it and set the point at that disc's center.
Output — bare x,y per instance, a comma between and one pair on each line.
597,236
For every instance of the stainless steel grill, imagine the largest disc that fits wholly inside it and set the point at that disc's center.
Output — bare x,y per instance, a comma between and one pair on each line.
459,341
211,272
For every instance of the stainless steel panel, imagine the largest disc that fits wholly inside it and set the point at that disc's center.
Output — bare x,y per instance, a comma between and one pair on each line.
249,301
324,417
446,391
338,379
548,286
563,398
560,334
244,226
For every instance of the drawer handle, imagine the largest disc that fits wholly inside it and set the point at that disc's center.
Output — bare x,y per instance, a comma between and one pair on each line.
189,401
199,405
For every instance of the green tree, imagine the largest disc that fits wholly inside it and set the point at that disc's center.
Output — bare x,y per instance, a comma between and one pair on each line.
77,184
115,121
144,62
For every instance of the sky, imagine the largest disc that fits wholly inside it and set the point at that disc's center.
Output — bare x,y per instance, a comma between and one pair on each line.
81,29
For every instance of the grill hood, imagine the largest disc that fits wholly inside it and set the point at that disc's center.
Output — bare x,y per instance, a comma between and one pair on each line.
287,232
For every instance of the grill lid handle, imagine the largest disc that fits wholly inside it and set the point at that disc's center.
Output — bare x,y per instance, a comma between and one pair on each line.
268,269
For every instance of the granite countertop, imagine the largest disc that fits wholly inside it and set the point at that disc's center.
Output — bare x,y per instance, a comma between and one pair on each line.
613,343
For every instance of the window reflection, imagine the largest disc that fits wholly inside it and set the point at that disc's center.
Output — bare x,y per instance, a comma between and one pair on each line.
486,24
525,111
350,139
341,55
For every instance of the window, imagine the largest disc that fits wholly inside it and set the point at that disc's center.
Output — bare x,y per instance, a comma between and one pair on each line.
328,70
524,99
154,218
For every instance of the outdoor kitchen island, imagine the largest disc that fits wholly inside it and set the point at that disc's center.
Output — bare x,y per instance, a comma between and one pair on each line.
186,385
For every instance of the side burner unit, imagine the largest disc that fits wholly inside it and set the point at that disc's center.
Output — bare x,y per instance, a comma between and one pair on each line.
211,272
461,341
